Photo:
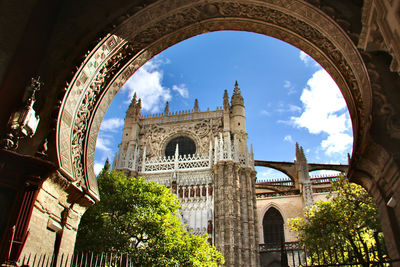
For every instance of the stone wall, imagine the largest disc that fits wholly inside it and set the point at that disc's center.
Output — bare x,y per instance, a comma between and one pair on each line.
288,206
55,219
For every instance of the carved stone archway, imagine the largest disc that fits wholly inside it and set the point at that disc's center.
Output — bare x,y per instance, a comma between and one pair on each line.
163,24
48,38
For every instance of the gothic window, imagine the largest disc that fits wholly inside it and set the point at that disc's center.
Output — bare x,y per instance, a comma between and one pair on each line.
185,144
273,227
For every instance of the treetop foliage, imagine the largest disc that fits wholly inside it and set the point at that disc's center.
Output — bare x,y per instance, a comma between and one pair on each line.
348,221
141,219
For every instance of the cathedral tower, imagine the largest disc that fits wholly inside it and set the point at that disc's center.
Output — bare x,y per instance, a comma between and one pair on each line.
202,156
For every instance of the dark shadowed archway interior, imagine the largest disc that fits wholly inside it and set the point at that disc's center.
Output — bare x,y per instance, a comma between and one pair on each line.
186,146
273,227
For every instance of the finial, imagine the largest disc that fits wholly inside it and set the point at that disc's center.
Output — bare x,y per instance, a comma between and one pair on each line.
300,156
226,100
137,109
237,98
236,90
196,105
132,107
166,110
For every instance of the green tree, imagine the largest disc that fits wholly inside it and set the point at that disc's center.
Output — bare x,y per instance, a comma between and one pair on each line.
344,228
141,219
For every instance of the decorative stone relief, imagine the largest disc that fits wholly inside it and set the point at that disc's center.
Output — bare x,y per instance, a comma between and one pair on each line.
200,131
168,22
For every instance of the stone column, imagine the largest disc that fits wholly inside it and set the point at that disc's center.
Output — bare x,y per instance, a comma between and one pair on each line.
218,207
228,214
251,217
236,233
376,170
237,215
244,219
256,233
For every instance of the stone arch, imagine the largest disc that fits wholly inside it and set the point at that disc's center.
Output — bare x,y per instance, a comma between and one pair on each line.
139,37
165,145
330,167
57,36
287,168
279,230
262,214
173,135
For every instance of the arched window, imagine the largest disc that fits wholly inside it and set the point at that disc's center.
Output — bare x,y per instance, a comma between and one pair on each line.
273,227
186,146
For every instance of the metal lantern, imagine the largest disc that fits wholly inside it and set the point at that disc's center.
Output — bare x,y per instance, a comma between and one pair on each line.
24,122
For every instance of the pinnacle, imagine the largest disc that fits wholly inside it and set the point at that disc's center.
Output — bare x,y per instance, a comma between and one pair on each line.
196,105
226,100
166,110
236,91
237,96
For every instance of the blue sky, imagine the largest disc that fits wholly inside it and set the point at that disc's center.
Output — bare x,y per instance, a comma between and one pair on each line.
288,97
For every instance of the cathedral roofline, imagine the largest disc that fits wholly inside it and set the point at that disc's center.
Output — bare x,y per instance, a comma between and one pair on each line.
182,115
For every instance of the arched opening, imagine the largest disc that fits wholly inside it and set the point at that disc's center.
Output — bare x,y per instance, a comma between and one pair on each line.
185,145
273,228
331,47
312,26
122,53
272,175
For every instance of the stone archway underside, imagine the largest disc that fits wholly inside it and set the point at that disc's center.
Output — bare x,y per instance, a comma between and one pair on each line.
163,24
290,169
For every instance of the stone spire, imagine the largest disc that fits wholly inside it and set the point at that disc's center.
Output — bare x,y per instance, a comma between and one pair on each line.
166,110
226,100
300,157
237,98
138,109
132,107
196,105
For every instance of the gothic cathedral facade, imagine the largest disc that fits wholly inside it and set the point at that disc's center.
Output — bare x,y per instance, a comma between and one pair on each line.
203,157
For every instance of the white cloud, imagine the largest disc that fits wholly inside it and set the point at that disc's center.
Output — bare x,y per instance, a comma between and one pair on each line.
290,123
103,144
294,108
288,85
288,138
98,167
265,113
337,143
181,89
290,108
304,57
307,59
147,83
325,112
111,124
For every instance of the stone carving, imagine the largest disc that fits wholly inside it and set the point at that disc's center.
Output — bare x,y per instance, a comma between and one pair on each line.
200,131
86,108
295,23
